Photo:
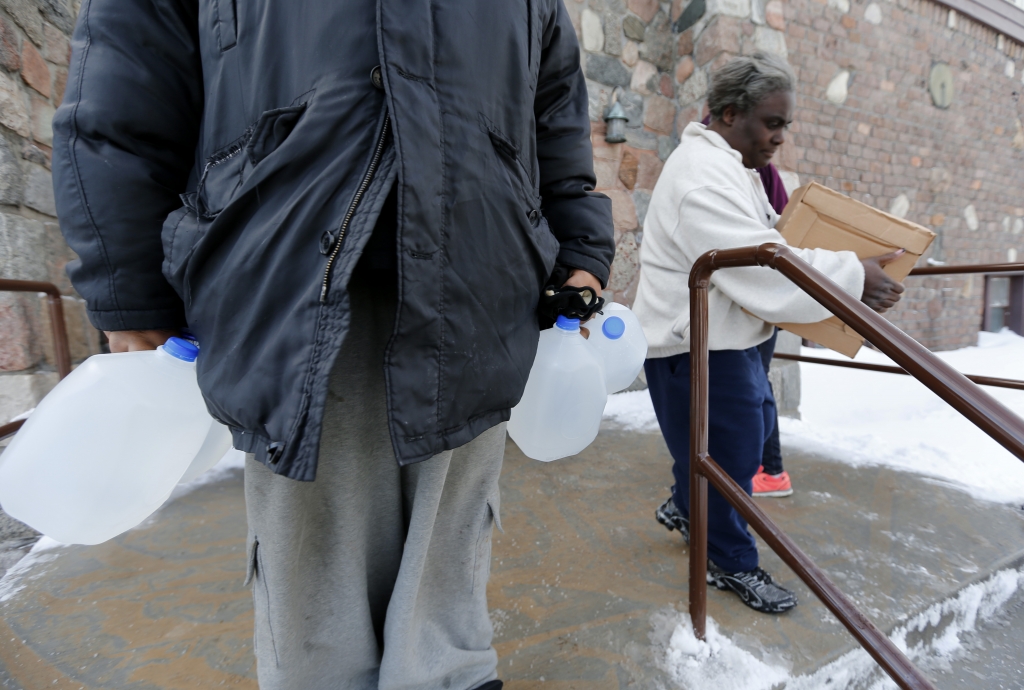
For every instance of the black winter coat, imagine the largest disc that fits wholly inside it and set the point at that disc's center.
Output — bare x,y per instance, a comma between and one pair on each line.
222,163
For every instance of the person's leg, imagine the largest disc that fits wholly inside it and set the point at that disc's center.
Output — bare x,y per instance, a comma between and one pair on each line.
771,457
324,555
438,631
735,438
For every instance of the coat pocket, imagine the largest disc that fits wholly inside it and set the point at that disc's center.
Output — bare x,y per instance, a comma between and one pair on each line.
179,236
225,23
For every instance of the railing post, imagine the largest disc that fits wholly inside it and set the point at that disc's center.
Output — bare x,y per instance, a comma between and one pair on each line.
698,449
61,350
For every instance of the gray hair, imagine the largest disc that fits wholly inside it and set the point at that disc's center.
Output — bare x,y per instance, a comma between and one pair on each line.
745,81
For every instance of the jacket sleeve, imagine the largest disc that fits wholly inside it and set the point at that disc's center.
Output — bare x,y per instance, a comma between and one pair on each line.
124,144
580,219
712,218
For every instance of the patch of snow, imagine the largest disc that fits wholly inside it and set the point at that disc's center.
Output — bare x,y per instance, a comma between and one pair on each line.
632,411
15,579
872,418
949,620
715,662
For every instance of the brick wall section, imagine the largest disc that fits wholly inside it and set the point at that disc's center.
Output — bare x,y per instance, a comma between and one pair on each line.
34,55
958,171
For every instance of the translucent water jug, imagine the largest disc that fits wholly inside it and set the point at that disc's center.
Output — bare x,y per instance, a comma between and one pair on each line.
106,447
561,408
618,338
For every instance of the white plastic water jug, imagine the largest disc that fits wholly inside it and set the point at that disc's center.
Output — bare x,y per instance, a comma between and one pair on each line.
560,412
106,447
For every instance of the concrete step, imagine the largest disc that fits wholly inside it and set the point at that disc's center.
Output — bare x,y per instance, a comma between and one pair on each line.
585,589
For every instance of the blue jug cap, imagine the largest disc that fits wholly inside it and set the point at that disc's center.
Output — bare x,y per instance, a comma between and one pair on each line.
181,349
613,327
567,324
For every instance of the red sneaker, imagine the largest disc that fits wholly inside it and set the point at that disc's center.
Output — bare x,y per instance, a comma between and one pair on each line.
772,485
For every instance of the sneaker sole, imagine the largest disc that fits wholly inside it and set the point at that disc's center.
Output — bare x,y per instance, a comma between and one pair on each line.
780,493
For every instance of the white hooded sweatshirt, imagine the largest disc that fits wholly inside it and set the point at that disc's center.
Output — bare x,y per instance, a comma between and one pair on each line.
706,199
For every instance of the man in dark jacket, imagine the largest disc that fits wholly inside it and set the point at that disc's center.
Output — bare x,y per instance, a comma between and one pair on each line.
224,165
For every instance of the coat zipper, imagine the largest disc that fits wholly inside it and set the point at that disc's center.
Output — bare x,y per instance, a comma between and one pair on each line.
360,192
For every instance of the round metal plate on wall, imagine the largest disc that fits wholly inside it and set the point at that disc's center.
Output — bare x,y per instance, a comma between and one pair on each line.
940,84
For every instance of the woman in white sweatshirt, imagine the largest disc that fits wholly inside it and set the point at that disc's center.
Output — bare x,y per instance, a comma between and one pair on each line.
710,196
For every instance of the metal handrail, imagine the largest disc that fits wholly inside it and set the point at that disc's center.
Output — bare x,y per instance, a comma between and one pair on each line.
965,269
885,368
979,407
61,349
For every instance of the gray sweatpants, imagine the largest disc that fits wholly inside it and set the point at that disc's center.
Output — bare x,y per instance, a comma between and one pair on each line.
373,576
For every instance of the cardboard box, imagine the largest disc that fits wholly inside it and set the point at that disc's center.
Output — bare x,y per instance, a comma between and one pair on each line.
819,218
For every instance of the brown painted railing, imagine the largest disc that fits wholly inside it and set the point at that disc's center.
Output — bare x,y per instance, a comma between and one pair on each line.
986,412
927,271
61,350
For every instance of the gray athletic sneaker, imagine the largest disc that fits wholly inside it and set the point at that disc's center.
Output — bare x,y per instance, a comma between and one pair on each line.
754,587
668,515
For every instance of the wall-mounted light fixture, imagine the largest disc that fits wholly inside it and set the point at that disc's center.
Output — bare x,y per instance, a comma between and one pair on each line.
616,120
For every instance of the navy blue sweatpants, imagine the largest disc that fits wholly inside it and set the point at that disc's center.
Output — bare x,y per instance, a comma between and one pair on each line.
741,416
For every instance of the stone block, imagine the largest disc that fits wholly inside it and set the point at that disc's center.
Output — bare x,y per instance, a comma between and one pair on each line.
684,68
14,113
645,9
613,41
39,190
694,88
42,121
642,139
630,53
607,70
628,169
20,392
83,338
23,248
34,70
660,114
593,32
17,350
771,41
684,45
623,210
644,78
606,170
666,145
598,96
730,8
633,28
722,35
58,48
10,55
626,263
774,15
26,15
642,201
60,82
666,87
648,170
659,44
34,154
11,176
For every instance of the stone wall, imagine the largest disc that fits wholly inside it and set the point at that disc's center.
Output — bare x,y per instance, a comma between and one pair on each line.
34,54
865,125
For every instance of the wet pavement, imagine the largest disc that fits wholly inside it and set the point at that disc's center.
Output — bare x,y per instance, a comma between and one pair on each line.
585,584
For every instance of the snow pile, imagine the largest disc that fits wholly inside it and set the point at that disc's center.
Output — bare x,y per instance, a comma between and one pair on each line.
632,410
940,629
14,580
864,417
715,662
233,461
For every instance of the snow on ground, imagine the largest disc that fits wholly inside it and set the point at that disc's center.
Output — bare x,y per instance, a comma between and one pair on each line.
233,460
940,630
14,579
864,417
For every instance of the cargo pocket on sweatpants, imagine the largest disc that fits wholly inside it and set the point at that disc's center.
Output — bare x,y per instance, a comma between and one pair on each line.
263,632
482,564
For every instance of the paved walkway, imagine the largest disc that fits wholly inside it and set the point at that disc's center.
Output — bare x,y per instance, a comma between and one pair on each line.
584,591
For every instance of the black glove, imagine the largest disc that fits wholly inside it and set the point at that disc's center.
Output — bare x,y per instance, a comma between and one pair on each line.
572,302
